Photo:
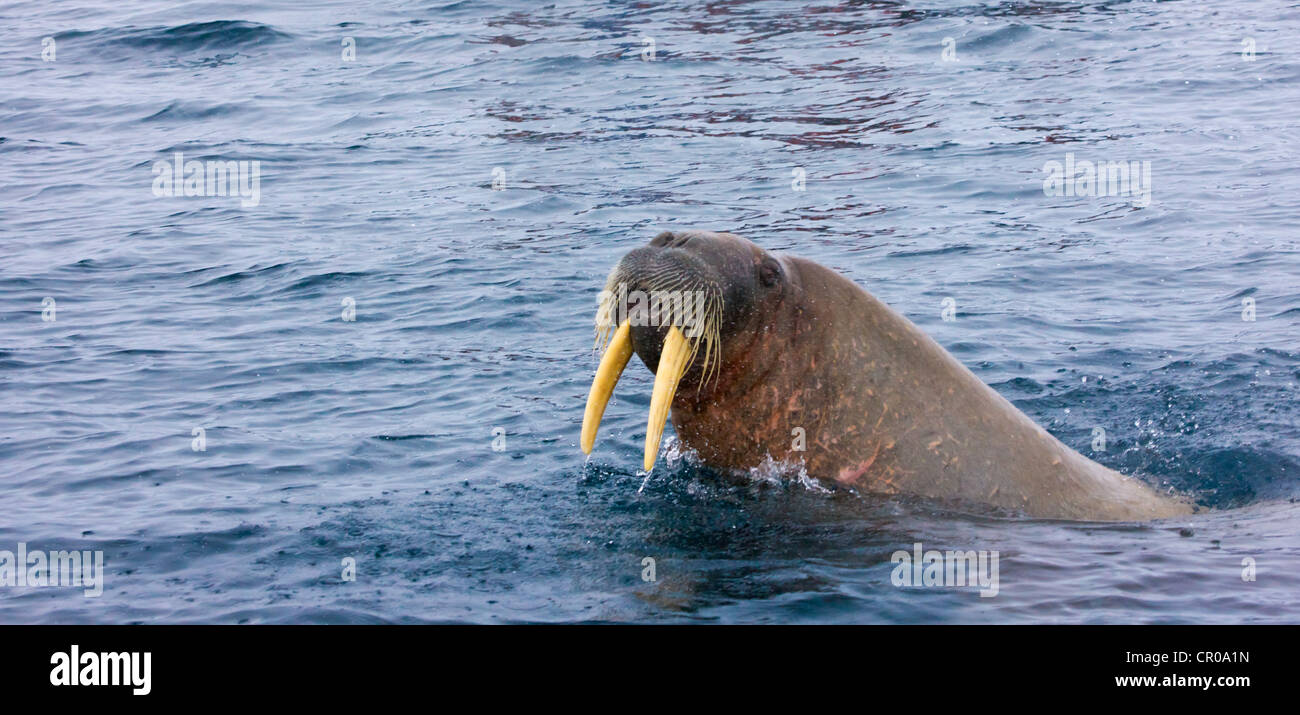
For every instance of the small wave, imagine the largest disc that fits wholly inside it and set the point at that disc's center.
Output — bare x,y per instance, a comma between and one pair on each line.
785,472
186,111
242,275
192,37
677,455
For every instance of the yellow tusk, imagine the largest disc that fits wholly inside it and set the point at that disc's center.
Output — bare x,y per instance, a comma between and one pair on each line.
672,364
602,386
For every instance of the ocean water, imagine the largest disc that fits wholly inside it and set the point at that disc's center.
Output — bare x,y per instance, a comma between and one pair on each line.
180,389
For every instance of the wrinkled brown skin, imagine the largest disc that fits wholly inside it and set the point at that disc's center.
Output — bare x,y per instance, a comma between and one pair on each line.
884,407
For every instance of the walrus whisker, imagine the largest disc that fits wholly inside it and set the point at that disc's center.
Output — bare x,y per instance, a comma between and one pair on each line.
677,301
669,280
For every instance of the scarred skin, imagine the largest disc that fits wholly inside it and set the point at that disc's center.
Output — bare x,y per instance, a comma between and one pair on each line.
884,407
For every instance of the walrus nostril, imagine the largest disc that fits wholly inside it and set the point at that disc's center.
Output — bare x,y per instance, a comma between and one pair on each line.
662,239
668,239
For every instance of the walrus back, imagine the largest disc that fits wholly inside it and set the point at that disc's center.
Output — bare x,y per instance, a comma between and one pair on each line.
923,423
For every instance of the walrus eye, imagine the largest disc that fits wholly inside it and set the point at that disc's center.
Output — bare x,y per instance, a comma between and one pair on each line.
769,273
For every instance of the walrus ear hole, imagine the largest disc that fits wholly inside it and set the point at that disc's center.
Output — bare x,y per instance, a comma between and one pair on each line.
769,273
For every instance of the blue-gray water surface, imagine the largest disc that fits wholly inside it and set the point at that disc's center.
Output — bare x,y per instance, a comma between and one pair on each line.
180,389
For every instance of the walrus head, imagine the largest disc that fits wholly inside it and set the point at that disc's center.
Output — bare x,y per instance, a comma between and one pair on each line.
698,308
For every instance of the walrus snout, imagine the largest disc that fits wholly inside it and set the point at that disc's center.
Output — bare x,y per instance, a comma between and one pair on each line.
661,285
667,263
665,302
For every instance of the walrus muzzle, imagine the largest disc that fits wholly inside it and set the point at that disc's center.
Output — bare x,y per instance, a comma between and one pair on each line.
670,299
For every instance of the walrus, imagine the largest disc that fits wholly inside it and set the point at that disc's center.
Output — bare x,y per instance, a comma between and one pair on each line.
765,345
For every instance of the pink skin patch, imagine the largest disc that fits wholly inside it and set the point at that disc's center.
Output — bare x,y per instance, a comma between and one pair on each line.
851,474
